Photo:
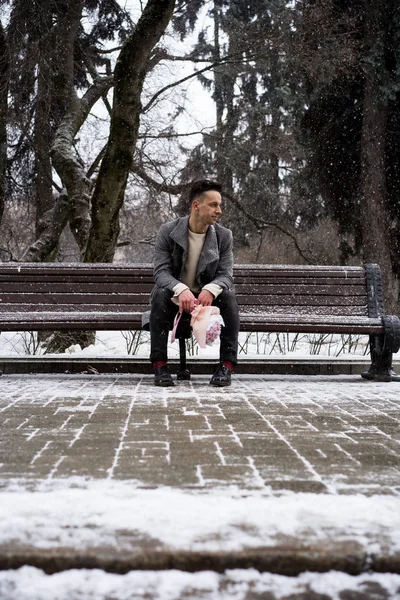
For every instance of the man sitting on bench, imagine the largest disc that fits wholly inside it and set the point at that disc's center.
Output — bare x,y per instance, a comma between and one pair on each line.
193,262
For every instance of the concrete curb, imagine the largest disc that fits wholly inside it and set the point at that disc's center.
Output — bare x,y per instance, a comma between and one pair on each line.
289,561
93,365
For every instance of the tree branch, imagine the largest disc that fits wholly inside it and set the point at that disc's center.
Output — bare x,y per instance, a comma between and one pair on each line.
54,222
213,65
168,136
261,224
129,74
158,186
150,241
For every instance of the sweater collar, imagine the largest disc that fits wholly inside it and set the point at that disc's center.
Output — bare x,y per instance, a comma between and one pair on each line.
209,252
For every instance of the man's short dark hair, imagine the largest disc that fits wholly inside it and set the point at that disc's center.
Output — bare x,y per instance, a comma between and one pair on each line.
201,186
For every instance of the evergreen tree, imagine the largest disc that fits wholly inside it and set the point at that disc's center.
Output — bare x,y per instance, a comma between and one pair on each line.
351,125
258,98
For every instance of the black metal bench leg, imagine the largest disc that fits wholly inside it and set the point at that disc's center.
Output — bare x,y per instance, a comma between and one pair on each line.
183,374
381,361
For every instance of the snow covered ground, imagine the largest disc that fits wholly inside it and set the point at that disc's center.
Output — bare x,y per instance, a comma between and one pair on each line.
109,513
115,343
74,513
29,583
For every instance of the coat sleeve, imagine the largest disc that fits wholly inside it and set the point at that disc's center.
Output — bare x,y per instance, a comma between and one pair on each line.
162,271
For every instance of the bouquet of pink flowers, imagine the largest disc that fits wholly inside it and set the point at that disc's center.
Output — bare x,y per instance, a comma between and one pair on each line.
206,323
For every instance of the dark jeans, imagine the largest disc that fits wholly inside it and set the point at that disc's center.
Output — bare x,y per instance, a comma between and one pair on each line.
162,315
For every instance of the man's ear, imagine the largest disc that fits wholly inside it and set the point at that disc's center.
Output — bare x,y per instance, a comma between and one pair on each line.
195,204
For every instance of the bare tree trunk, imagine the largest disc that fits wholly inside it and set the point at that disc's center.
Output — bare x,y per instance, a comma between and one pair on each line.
65,161
276,120
42,140
373,204
129,76
218,95
4,65
52,226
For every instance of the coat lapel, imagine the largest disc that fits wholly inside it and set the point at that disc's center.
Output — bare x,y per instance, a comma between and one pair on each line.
210,252
180,233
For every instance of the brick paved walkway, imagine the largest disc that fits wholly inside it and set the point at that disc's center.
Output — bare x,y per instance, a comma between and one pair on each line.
271,437
319,434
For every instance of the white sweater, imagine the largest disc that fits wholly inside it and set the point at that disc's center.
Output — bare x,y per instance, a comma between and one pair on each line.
188,275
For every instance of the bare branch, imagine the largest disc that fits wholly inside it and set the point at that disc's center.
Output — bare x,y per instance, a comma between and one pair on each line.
167,188
261,224
54,221
169,136
150,241
97,90
213,65
9,253
109,50
96,162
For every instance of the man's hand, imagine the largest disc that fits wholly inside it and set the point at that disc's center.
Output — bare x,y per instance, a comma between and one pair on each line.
187,301
205,298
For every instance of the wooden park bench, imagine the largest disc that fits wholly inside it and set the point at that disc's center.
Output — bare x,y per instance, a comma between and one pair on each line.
272,298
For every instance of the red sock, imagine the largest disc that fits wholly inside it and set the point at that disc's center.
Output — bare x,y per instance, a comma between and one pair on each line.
159,363
227,363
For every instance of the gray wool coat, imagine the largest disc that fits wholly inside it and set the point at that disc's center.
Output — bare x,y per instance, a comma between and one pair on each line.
216,259
215,263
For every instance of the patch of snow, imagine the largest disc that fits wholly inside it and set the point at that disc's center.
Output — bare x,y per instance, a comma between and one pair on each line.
29,583
91,513
113,343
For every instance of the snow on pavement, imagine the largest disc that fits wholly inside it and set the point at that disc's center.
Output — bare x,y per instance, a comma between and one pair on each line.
29,583
75,514
80,470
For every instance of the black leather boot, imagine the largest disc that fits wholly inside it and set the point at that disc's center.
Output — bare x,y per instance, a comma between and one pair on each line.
162,377
221,377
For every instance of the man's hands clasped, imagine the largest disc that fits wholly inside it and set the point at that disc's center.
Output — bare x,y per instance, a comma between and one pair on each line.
187,300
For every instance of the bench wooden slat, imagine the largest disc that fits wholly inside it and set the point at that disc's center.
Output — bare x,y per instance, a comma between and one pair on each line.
67,286
73,287
39,321
302,289
308,324
78,298
297,300
281,311
305,271
251,322
298,281
10,309
11,279
134,295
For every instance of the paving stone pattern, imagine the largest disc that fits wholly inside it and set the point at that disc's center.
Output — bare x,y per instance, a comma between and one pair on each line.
310,434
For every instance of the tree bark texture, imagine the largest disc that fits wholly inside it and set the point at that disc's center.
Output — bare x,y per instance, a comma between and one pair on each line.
52,226
4,70
373,197
56,95
42,136
224,82
65,161
130,71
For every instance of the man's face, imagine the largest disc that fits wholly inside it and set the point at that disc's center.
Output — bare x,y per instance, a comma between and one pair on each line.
208,207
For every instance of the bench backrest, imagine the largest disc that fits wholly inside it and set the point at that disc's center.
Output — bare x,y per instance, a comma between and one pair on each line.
82,287
314,290
299,289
